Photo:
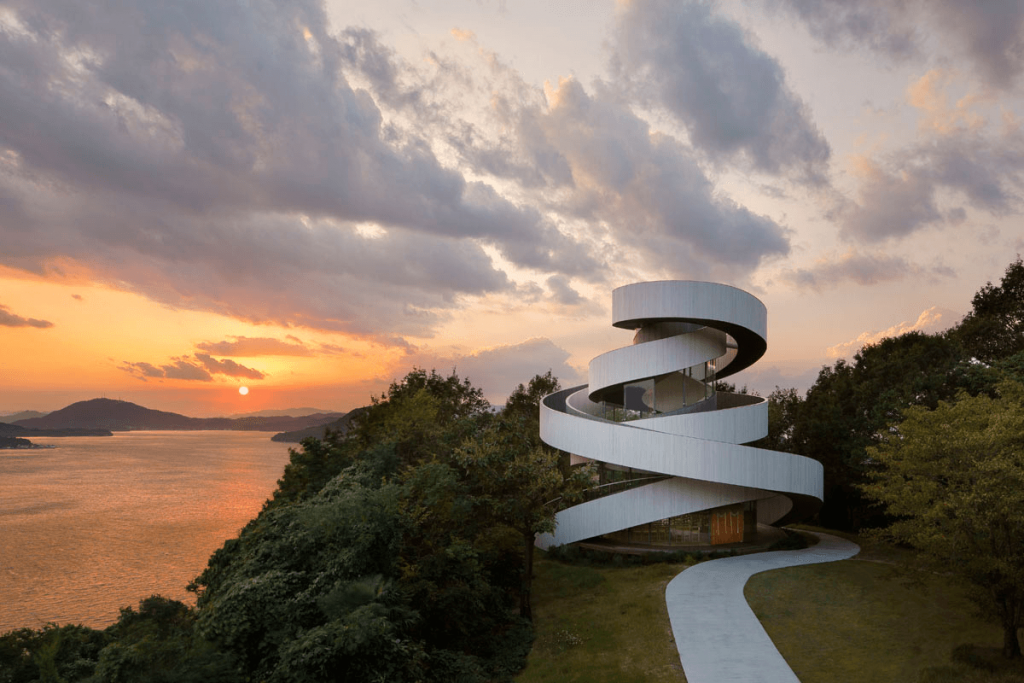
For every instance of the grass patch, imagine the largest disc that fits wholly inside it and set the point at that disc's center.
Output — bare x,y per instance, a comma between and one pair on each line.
602,624
846,622
871,549
852,621
973,664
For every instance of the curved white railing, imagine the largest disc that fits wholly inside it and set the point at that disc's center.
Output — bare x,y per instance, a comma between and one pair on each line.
651,407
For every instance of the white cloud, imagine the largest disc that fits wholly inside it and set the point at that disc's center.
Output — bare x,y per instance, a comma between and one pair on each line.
931,321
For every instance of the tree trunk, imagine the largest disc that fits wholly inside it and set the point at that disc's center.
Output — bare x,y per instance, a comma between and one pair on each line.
527,584
1011,646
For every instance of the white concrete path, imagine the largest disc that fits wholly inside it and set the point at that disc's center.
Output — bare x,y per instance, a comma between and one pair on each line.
718,637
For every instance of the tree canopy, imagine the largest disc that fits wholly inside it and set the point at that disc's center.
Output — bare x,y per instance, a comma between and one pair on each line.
850,405
953,481
994,329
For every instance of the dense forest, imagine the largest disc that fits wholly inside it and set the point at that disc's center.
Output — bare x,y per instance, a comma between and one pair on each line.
401,550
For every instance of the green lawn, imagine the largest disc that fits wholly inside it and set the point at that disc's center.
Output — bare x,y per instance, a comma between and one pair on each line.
602,624
840,622
852,621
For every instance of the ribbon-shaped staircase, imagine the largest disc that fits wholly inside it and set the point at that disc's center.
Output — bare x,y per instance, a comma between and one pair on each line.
669,443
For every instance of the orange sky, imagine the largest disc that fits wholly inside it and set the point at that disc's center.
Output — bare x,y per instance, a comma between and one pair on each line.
97,331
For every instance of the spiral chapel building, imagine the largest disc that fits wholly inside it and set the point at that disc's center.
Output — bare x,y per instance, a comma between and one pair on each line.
672,467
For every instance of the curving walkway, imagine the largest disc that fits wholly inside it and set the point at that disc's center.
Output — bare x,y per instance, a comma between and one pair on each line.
718,637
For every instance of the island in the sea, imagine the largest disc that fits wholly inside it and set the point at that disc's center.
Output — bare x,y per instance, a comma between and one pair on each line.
11,442
16,436
103,416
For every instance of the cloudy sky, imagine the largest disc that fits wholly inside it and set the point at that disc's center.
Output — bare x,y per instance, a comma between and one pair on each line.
310,199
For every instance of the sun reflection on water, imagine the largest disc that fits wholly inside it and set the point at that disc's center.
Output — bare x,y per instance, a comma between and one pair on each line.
99,523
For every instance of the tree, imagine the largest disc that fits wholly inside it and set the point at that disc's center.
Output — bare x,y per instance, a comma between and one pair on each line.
423,415
518,481
729,387
456,399
524,401
783,407
994,328
850,406
310,468
523,404
158,644
389,569
1011,367
829,430
519,484
953,480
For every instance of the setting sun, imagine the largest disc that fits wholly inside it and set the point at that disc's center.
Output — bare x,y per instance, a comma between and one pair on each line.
243,390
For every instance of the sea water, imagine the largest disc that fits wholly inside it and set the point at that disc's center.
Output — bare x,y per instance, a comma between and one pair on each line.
99,523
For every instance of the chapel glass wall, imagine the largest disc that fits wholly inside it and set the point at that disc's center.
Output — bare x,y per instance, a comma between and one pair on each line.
729,524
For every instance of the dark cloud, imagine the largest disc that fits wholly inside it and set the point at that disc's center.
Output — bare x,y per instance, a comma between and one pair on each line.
861,268
213,155
987,170
626,192
8,319
649,191
880,25
529,293
562,291
199,368
523,156
732,96
989,34
179,368
227,367
897,196
891,205
183,369
279,268
144,370
255,346
336,350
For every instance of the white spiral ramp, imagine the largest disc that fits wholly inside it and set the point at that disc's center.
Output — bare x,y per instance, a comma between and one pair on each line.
650,407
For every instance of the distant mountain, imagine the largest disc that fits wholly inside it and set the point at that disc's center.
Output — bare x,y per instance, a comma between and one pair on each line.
121,416
288,412
23,415
317,431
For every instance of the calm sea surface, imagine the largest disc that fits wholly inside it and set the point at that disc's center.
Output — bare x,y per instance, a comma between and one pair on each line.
99,523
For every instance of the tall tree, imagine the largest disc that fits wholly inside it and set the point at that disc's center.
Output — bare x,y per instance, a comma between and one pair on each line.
994,329
783,408
422,415
520,485
953,481
850,405
524,401
517,480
